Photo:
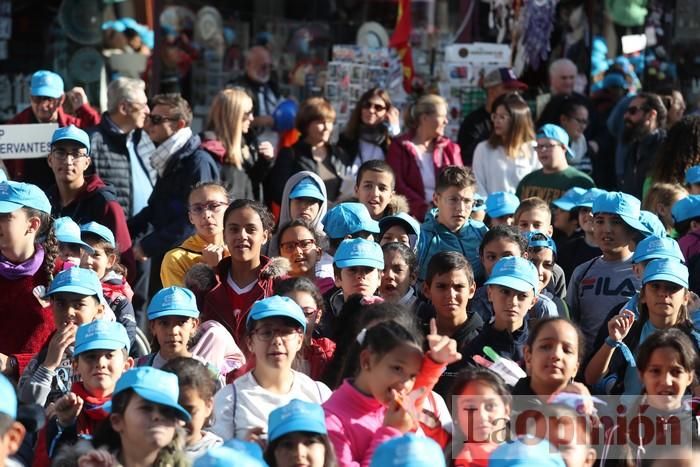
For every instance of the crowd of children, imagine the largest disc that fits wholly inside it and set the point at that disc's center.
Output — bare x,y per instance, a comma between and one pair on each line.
354,334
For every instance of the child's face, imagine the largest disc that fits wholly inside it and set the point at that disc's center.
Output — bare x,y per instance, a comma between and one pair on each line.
374,191
275,342
297,244
200,410
397,277
508,219
70,252
585,220
535,219
144,427
563,220
73,308
454,206
11,441
571,437
481,413
394,372
544,262
396,233
99,261
664,299
510,306
173,334
300,448
361,280
550,152
553,359
206,212
665,379
304,208
497,249
244,235
100,369
610,233
14,227
311,309
450,293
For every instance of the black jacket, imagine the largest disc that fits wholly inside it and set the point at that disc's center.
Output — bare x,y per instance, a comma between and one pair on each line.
639,161
475,128
505,344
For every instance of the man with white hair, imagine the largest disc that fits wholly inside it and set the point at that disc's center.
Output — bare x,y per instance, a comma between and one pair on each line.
257,82
121,150
562,77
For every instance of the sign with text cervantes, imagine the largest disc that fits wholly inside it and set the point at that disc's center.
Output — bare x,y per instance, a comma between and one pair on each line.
26,141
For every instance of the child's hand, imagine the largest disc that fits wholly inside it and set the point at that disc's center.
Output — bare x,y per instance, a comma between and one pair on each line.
97,458
58,345
397,416
212,255
67,408
255,435
620,325
442,349
588,407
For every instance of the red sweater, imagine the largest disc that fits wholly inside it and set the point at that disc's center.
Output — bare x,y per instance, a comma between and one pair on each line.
403,160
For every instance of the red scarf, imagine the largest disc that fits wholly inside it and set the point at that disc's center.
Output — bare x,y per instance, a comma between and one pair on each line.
92,413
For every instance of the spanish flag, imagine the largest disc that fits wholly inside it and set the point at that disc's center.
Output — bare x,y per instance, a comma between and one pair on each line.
401,41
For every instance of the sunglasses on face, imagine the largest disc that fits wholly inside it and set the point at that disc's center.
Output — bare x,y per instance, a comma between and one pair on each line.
376,107
158,119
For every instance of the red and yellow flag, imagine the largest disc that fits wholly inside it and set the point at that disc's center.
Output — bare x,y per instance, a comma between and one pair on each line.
401,41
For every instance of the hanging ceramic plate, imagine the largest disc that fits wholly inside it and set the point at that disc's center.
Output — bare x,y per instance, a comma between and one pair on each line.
208,25
176,19
81,20
372,34
85,65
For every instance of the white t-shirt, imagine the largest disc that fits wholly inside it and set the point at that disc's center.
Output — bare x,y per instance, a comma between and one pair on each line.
427,172
495,171
243,405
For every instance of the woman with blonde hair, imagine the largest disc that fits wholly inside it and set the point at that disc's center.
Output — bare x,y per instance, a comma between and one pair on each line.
245,162
508,155
418,155
659,200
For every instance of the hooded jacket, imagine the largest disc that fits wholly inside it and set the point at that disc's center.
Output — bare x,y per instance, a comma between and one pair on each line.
435,237
180,259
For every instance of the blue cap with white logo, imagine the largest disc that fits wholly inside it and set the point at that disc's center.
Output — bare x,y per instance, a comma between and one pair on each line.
47,84
668,270
307,188
536,239
586,200
411,225
68,231
622,204
298,415
526,452
173,301
656,247
686,208
348,219
8,398
101,335
359,252
558,134
692,175
501,203
409,450
76,280
276,307
515,273
71,133
16,195
225,456
569,199
101,231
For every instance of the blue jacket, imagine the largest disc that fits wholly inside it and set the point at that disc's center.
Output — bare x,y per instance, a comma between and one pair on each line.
435,237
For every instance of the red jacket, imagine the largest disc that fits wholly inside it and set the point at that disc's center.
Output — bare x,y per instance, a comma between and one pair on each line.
403,159
85,117
318,354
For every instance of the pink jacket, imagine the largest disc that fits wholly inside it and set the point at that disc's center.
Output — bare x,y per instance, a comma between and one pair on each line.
355,421
690,245
403,159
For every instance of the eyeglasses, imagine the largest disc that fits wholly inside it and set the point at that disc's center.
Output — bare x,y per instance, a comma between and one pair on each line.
291,247
213,206
376,107
458,200
62,154
267,334
158,119
580,121
309,310
632,110
545,147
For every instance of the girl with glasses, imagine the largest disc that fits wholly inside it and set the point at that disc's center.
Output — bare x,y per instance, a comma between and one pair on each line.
301,245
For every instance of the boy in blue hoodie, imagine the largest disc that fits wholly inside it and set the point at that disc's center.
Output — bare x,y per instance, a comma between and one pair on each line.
449,227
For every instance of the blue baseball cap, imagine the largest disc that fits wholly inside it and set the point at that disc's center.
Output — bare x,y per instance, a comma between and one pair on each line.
68,231
276,307
101,231
684,209
248,447
101,335
224,456
298,415
657,247
15,195
501,203
614,80
479,203
76,280
515,273
569,199
347,219
586,200
409,450
692,175
307,188
154,385
537,239
652,223
558,134
71,133
173,301
526,452
47,84
359,252
8,398
668,270
410,224
624,205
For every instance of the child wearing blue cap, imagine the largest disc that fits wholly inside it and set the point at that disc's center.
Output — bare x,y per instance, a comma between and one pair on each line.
564,214
556,175
542,252
70,245
206,205
275,330
686,221
298,435
479,208
449,226
500,208
409,450
11,431
400,227
692,179
100,357
348,220
75,295
302,246
660,200
663,304
607,281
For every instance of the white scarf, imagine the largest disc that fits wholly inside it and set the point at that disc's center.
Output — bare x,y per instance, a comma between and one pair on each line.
162,154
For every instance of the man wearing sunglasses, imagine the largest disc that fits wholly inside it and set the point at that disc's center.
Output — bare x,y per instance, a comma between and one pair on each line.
47,99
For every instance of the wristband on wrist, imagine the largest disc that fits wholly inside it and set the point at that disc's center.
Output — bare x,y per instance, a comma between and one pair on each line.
612,343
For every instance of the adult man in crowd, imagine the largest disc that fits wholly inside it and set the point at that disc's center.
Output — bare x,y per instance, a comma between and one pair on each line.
47,99
645,119
258,65
476,127
121,150
180,163
562,78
